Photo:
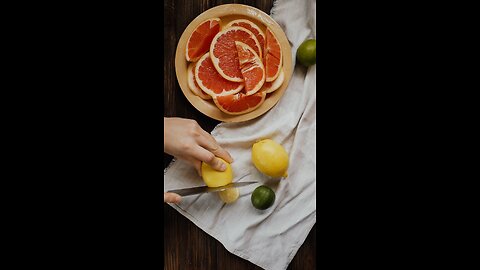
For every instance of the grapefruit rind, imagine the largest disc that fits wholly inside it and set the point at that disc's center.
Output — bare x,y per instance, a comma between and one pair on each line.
247,65
205,88
269,56
216,60
270,87
188,41
191,83
254,29
220,107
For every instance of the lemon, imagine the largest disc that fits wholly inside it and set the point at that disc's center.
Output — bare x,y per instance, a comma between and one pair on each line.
307,52
214,178
229,195
270,158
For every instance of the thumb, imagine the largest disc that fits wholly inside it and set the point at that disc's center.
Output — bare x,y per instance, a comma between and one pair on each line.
171,198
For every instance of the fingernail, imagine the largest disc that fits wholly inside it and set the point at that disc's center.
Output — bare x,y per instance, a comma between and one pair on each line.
223,167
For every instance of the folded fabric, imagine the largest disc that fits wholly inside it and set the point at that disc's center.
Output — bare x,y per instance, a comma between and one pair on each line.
269,238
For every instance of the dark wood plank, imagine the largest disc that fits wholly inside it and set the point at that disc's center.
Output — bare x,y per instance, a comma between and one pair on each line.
185,245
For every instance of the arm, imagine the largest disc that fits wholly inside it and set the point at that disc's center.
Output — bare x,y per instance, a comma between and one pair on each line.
185,139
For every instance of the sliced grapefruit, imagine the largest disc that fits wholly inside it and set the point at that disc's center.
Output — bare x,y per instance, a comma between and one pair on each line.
253,28
192,83
210,81
239,103
224,52
273,56
269,87
199,41
251,67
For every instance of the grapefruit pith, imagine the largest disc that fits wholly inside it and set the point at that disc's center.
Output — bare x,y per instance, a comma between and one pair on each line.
239,103
210,80
199,41
273,56
251,67
224,52
192,83
253,28
269,87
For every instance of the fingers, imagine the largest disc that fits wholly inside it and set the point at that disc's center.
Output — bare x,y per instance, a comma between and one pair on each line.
208,157
171,197
211,145
198,165
217,164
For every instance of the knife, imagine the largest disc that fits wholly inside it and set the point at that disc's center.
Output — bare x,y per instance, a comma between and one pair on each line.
205,189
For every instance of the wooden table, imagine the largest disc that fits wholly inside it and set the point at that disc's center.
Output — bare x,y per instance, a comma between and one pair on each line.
185,245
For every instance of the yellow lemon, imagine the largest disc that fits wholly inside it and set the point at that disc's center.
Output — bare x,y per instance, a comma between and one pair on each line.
213,178
229,195
270,158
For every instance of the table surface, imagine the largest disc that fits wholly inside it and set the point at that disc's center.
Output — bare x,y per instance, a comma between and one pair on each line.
185,245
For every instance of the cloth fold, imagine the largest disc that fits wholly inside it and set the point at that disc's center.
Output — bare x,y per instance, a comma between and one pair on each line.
269,238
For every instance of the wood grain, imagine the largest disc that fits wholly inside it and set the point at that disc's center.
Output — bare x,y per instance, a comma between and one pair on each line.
185,245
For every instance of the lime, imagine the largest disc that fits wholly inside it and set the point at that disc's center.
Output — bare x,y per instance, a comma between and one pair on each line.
307,52
270,158
263,197
213,178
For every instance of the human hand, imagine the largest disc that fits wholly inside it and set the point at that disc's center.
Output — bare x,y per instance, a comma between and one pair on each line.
185,139
171,197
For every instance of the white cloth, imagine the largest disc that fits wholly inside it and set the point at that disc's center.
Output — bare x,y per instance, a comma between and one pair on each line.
270,238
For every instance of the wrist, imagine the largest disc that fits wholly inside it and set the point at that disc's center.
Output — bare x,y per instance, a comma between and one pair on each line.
167,137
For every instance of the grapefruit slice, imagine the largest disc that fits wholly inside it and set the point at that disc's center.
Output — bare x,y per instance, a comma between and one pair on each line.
239,103
224,52
273,56
251,67
192,83
199,41
253,28
269,87
210,81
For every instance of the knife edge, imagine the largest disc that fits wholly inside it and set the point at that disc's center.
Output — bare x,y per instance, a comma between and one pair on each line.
205,189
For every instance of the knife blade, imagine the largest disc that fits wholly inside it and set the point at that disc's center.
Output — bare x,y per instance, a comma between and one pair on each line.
204,189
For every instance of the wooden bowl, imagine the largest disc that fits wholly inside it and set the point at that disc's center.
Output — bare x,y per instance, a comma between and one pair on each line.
229,13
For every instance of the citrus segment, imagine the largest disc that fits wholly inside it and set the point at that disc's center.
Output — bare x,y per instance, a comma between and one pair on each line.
199,41
239,103
269,87
273,56
251,67
224,53
192,83
210,80
253,28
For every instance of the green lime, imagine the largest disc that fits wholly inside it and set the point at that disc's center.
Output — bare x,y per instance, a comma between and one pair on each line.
307,52
263,197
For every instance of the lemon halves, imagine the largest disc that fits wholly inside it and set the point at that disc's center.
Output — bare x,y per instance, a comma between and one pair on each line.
270,158
213,178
